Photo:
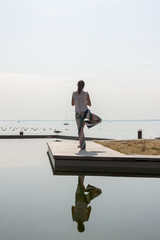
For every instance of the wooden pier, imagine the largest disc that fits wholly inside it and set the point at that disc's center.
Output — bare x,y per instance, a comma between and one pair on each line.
67,159
56,136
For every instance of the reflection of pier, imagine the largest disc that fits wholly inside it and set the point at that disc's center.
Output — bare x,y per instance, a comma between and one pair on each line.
66,158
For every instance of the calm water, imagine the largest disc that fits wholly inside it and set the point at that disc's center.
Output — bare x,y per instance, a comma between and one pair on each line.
107,129
35,204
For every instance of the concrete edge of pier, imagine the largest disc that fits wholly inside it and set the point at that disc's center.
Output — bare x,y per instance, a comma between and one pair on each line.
67,159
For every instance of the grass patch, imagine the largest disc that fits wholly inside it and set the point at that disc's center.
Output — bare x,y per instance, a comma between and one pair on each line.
140,147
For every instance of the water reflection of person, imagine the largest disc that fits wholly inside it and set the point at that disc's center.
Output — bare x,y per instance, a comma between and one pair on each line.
81,211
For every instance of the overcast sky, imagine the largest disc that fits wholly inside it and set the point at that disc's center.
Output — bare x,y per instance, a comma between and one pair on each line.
46,46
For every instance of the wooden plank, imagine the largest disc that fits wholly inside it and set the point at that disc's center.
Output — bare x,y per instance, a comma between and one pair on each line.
66,158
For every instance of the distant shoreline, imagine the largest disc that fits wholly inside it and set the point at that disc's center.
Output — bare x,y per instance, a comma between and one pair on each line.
54,120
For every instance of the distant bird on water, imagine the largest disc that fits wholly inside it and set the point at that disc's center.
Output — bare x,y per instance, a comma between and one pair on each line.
56,131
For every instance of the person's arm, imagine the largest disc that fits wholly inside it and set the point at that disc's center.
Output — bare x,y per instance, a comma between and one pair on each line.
73,209
72,102
89,212
88,100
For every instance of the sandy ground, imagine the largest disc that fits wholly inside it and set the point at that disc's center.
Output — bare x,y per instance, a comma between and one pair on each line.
130,147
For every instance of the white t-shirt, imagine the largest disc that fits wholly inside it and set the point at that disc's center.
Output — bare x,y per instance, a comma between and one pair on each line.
80,101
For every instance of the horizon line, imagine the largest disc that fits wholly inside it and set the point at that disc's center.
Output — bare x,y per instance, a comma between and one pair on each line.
108,120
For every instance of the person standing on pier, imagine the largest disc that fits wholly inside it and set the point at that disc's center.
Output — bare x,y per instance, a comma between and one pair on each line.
81,101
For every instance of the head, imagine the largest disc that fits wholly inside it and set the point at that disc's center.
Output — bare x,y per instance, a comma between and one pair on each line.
80,226
80,85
